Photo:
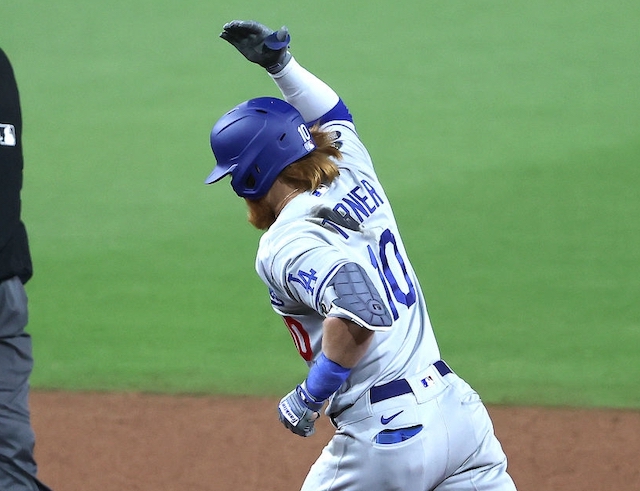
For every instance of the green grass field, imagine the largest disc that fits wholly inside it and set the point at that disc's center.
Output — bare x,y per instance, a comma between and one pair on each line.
506,133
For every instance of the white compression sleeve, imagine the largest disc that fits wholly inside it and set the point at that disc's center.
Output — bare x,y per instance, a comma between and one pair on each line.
304,91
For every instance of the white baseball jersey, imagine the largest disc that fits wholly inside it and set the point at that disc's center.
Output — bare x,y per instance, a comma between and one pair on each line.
301,252
379,442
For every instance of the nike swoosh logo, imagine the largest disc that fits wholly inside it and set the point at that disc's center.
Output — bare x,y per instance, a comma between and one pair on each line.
386,421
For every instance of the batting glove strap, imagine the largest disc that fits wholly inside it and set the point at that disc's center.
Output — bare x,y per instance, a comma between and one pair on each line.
278,41
308,400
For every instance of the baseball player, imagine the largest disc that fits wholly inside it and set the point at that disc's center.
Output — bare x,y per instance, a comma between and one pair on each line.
17,465
338,274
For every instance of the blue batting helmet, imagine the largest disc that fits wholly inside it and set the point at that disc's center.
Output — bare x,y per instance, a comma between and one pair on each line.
255,141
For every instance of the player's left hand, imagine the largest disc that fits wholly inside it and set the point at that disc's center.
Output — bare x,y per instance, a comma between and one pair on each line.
258,43
298,411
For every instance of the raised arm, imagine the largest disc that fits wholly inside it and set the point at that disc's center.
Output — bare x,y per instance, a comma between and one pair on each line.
312,97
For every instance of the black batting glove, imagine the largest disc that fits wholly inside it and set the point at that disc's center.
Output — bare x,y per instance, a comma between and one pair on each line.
258,43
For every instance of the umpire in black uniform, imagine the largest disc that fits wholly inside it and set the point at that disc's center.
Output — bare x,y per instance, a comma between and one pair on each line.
17,465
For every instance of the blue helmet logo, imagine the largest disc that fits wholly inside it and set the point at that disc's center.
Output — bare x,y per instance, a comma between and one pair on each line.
255,141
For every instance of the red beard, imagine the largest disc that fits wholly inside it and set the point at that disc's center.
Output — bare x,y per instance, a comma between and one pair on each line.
260,215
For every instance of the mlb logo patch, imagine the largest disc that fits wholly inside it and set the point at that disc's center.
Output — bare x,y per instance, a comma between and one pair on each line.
428,381
7,135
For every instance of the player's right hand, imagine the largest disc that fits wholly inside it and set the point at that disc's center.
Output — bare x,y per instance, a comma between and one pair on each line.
258,43
298,411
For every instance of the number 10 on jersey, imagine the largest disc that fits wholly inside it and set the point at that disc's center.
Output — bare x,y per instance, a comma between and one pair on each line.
380,259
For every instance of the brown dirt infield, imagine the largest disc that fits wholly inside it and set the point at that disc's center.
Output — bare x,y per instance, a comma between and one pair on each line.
142,442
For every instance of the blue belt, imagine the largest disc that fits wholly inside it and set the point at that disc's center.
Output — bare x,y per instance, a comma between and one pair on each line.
399,387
